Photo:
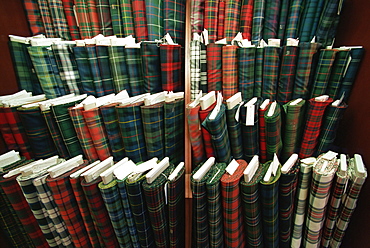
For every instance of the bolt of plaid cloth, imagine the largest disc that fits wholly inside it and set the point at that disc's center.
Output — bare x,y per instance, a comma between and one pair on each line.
283,17
273,123
211,19
171,67
47,18
234,129
92,12
197,16
308,18
221,20
151,63
232,15
271,19
258,71
258,21
71,19
271,65
102,54
246,19
194,68
115,13
246,65
105,19
292,24
33,14
127,14
203,68
139,20
316,19
174,20
7,133
207,139
83,18
262,134
154,19
229,71
214,67
337,72
134,71
59,19
119,66
93,63
84,70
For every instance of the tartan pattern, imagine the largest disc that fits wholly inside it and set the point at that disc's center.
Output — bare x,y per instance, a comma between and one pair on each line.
154,19
221,19
140,213
214,67
229,71
71,19
93,63
292,26
37,132
95,125
105,72
337,73
33,14
153,126
108,114
308,19
92,11
62,86
134,71
232,207
151,67
294,121
274,142
250,134
262,134
174,20
207,138
283,16
219,135
246,61
174,131
311,131
84,70
232,15
83,134
112,200
246,19
258,72
194,68
6,132
47,19
203,68
258,20
171,68
211,19
234,129
323,71
270,211
105,19
115,13
332,118
59,19
83,19
271,65
271,19
128,18
195,135
129,119
197,16
139,19
99,213
318,13
287,74
305,69
120,70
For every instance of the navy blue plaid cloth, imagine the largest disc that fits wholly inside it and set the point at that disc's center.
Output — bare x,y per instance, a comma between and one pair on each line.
105,72
134,71
151,67
246,64
84,70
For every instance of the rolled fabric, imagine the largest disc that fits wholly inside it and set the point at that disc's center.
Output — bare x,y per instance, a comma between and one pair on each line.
232,15
308,20
92,59
115,13
47,19
258,21
153,127
246,64
194,68
246,18
6,132
229,71
174,20
262,133
128,23
134,72
287,74
102,55
283,17
154,19
234,235
271,65
83,66
83,18
203,68
197,16
151,67
271,19
292,27
105,19
139,19
274,142
234,129
312,127
337,73
318,13
258,71
211,19
207,138
305,69
221,19
59,19
118,62
171,68
214,67
34,19
93,17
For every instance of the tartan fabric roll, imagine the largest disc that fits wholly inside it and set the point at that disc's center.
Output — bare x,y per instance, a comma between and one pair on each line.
154,19
151,67
99,213
134,71
95,125
214,67
115,13
246,19
262,134
258,21
307,20
232,207
271,65
219,135
229,71
197,16
71,19
299,215
323,71
194,68
339,187
211,19
287,195
283,16
128,18
47,19
105,19
139,20
108,113
83,18
311,131
271,19
139,210
66,128
112,200
6,132
250,194
203,68
118,62
293,128
270,211
337,73
105,72
63,88
153,126
273,123
292,27
207,139
34,19
356,55
195,135
246,62
258,71
287,74
176,209
332,118
59,19
92,59
174,131
232,14
171,68
214,204
174,20
320,6
19,133
221,19
305,68
234,129
83,134
93,17
67,67
317,204
129,119
84,70
37,132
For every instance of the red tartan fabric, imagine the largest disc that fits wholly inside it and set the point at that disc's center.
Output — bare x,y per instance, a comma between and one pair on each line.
229,71
71,19
94,17
196,139
6,132
171,65
246,17
33,16
214,67
139,14
207,139
211,19
262,134
221,20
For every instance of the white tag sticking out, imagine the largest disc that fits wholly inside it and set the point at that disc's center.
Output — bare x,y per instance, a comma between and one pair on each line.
82,170
265,103
222,41
274,42
195,103
231,168
207,100
95,172
251,169
322,98
249,120
296,101
267,176
234,100
271,110
217,108
9,158
309,160
330,155
205,37
147,165
275,164
359,166
292,42
123,171
198,176
107,176
343,162
157,170
66,166
289,163
237,113
173,175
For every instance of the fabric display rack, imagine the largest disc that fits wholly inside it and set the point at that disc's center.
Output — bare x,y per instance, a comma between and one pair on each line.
203,123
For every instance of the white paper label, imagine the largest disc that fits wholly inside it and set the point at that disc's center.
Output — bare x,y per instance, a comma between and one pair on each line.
231,168
250,115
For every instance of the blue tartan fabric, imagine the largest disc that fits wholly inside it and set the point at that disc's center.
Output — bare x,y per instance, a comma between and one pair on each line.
119,69
115,13
246,64
271,19
134,71
174,20
292,26
105,71
93,62
337,73
258,72
271,65
258,20
308,18
154,19
84,70
151,63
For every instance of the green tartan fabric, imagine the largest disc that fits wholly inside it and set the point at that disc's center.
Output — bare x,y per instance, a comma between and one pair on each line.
292,26
318,13
258,72
154,19
92,59
127,18
115,13
83,18
308,19
271,19
151,63
118,67
250,193
283,18
323,72
337,73
273,132
47,19
271,65
232,15
84,70
293,116
234,129
214,204
59,19
134,71
105,72
174,20
258,19
246,65
105,20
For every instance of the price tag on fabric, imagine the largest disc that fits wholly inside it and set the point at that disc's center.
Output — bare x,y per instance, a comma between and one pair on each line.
249,120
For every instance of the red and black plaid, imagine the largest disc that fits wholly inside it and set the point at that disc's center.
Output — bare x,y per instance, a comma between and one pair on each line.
33,14
196,140
6,132
232,14
246,17
71,19
139,14
207,139
214,67
94,17
229,71
171,65
262,134
221,20
211,19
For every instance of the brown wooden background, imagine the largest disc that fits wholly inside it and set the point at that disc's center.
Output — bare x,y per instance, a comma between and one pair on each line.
354,131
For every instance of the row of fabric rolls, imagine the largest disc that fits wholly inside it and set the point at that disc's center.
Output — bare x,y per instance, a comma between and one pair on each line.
55,202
